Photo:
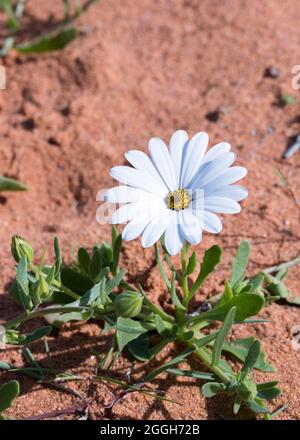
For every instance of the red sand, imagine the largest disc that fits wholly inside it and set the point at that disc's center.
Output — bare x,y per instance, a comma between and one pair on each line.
145,69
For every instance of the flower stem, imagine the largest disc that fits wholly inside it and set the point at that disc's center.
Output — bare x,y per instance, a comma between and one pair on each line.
184,278
204,354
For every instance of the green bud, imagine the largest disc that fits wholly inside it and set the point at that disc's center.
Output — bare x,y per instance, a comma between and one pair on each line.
20,248
128,304
247,390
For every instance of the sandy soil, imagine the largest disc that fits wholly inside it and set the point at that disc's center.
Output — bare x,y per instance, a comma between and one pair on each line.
143,69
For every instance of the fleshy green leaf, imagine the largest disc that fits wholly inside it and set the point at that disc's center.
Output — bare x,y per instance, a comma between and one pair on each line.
7,184
127,330
190,373
117,243
210,389
37,334
114,282
49,42
250,360
240,348
239,264
22,284
75,281
84,259
211,258
191,264
8,393
256,407
139,347
96,263
222,334
269,394
247,304
58,258
176,360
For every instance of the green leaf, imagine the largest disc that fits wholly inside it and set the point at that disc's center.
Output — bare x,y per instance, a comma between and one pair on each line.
174,361
58,320
247,304
250,360
139,347
210,389
256,407
278,411
58,258
191,373
211,258
49,42
75,281
22,284
127,331
37,334
269,394
191,264
164,328
294,300
8,393
237,404
114,282
12,20
266,385
5,366
198,343
227,295
116,253
222,334
84,259
240,348
239,264
95,263
7,184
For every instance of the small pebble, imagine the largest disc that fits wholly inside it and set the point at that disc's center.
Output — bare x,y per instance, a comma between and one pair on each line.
272,72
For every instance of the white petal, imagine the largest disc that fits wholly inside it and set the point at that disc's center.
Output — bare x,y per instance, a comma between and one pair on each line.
216,150
177,143
226,178
173,238
127,212
234,192
142,162
137,179
134,228
221,204
211,223
156,228
190,227
210,170
193,155
123,194
161,159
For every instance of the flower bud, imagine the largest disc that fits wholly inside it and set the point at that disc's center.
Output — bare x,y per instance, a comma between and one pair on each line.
20,248
128,304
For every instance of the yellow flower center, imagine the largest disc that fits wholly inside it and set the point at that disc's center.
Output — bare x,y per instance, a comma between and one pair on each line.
179,199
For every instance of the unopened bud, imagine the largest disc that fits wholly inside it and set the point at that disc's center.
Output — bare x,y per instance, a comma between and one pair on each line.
128,304
20,248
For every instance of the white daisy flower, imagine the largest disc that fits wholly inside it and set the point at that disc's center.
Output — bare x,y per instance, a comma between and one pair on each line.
176,191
